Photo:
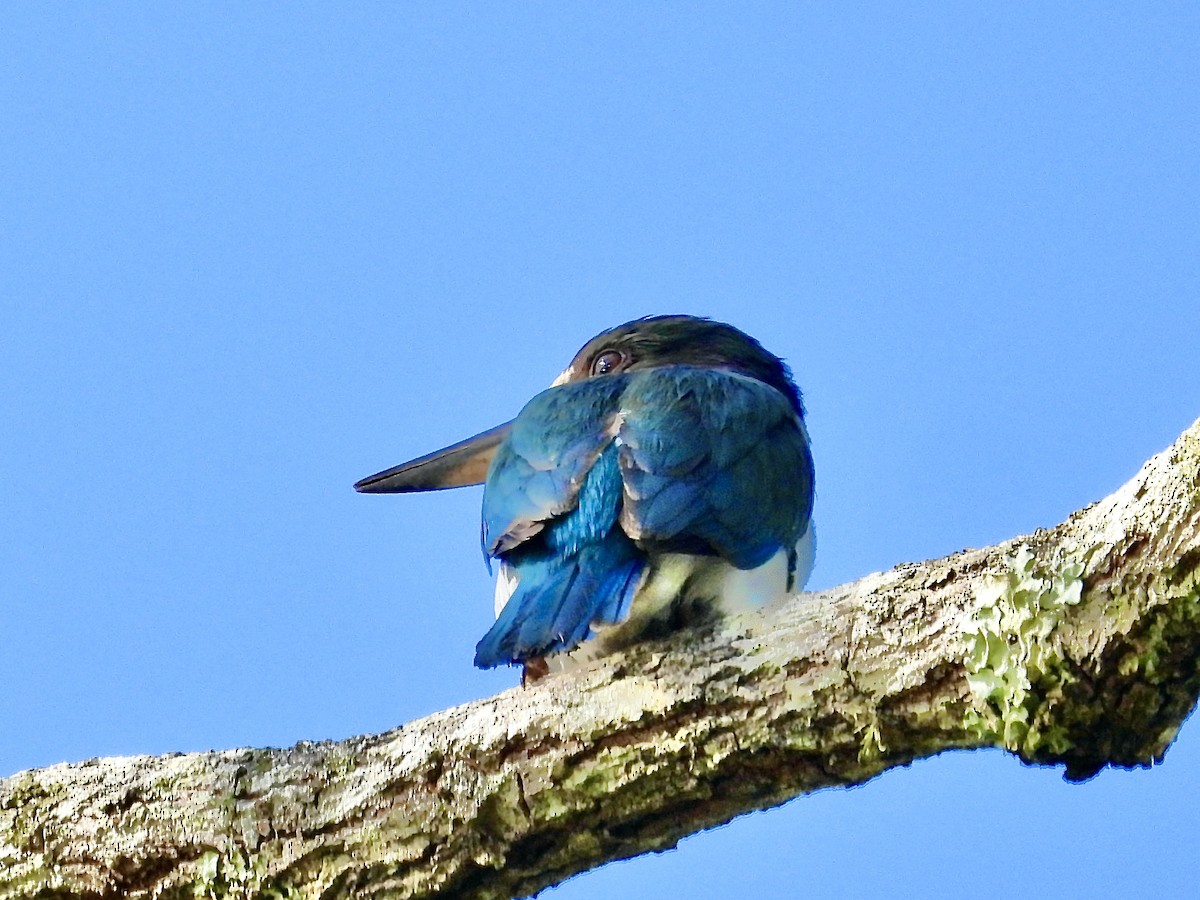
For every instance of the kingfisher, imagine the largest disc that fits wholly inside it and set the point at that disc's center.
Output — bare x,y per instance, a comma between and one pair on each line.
663,480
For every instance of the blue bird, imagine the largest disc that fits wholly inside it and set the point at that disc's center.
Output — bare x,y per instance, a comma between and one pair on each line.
663,480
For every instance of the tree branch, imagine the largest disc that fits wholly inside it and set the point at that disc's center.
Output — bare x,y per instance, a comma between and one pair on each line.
1076,645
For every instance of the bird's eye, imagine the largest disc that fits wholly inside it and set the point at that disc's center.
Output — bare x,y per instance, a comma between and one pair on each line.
606,362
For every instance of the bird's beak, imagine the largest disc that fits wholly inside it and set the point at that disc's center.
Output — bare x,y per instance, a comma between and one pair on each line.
458,465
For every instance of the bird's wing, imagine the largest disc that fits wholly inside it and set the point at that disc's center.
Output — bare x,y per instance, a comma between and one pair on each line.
712,462
538,470
550,509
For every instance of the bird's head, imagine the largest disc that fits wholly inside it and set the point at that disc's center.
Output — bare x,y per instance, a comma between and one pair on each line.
680,341
638,345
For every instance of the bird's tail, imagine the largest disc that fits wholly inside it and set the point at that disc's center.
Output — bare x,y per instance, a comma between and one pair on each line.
557,600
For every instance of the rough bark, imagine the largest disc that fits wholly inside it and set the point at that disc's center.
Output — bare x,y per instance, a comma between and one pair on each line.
1074,645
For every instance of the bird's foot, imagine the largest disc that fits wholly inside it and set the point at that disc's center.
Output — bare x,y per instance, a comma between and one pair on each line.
533,670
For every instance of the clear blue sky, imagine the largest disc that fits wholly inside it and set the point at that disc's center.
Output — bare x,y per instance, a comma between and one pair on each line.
249,256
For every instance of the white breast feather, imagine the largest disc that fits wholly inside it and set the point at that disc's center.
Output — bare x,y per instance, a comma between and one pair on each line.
506,583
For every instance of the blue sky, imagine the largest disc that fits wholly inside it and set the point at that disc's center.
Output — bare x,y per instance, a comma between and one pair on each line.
250,255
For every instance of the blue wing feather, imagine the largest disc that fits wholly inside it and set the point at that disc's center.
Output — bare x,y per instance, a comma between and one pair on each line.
714,456
539,468
580,571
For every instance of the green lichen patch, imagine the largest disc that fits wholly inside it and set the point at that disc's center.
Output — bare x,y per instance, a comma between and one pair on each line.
224,875
1137,710
1015,667
231,873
